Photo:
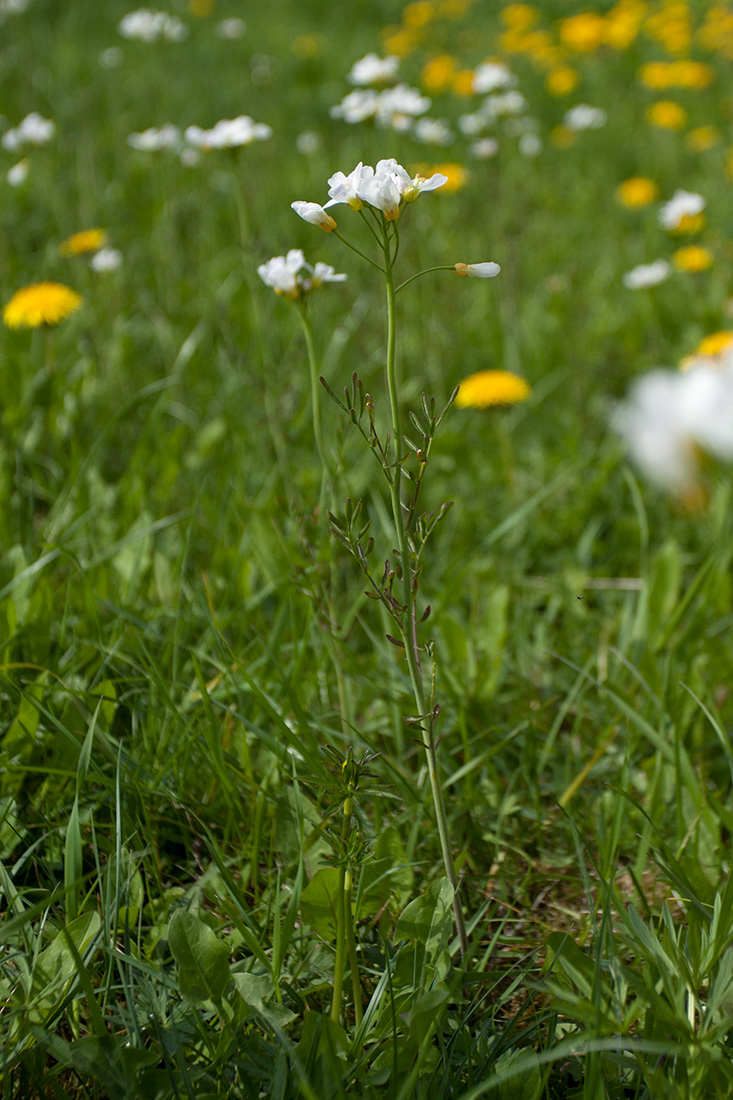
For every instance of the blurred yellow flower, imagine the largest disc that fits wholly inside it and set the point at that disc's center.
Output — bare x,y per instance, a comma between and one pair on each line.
691,74
201,8
702,138
89,240
689,223
655,74
562,137
491,387
40,304
519,17
454,9
667,115
456,175
306,46
562,81
623,23
715,343
670,26
584,32
637,191
400,41
716,32
462,83
438,72
693,258
418,14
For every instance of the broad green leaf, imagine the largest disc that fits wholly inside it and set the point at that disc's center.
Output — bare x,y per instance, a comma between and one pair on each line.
55,965
428,920
257,990
318,901
519,1076
203,960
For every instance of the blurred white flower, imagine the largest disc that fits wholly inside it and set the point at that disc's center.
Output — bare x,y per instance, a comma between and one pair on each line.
683,204
484,148
18,174
432,131
228,133
154,140
486,270
107,259
33,130
646,275
13,7
356,106
505,103
372,69
471,125
111,57
396,107
491,76
583,117
670,416
148,26
189,157
292,276
308,143
314,214
231,28
530,145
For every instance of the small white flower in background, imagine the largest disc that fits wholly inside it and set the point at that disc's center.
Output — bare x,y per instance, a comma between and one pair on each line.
107,259
398,106
504,103
33,130
583,117
189,157
228,133
18,174
13,7
231,28
670,416
432,131
111,58
484,148
491,76
308,143
372,69
646,275
356,106
292,276
472,125
683,204
154,140
148,26
486,270
314,214
530,145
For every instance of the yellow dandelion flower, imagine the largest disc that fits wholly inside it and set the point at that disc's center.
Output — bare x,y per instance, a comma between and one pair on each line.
438,72
637,191
584,32
702,138
519,17
667,115
715,343
623,23
691,74
539,46
418,14
456,175
454,9
689,223
693,258
40,304
491,387
562,137
462,82
562,81
655,74
201,8
400,41
89,240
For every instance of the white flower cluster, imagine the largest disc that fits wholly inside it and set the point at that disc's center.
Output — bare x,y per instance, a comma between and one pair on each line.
232,28
148,26
646,275
384,188
492,76
33,130
292,276
672,416
396,108
493,108
12,7
582,117
106,259
683,204
228,133
372,69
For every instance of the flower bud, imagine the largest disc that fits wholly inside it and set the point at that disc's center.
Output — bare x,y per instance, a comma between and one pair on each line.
314,214
485,270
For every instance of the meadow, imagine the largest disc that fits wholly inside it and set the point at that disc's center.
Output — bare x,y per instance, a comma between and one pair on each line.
362,736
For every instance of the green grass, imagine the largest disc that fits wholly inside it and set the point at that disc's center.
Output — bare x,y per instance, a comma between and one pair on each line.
173,616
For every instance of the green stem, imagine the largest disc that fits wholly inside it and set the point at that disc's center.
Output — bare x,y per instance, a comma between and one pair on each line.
409,622
340,962
440,267
351,944
313,370
353,248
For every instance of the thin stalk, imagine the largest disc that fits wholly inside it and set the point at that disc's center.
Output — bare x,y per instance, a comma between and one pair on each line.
440,267
409,623
326,478
340,962
353,248
351,944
